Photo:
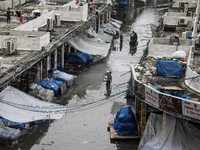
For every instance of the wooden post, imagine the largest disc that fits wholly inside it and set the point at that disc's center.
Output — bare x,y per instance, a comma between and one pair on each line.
41,70
55,59
99,23
143,118
94,24
63,55
18,81
49,62
109,15
38,72
136,107
45,67
28,80
102,21
69,49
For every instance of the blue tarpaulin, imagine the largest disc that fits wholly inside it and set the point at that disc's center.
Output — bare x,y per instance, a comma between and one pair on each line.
169,68
80,58
125,123
51,85
176,94
122,3
59,63
16,125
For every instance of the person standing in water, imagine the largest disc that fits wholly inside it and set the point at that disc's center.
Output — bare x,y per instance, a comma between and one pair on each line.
108,78
8,15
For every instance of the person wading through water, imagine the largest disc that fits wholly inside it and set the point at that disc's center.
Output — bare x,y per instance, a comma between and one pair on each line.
8,15
108,78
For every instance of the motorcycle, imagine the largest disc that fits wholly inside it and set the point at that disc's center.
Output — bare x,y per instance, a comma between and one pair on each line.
133,41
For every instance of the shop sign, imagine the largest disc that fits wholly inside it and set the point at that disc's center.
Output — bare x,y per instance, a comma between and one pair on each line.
191,109
152,96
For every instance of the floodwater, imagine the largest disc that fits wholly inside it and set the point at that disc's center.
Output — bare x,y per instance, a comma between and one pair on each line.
85,127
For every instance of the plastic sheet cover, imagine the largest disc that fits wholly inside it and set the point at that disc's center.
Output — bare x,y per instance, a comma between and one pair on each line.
54,85
80,58
89,46
8,134
101,35
169,68
125,123
177,134
18,106
109,27
64,77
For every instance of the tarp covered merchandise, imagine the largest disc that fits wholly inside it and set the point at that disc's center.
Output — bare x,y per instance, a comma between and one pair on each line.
89,46
80,58
40,92
169,68
64,77
176,134
125,123
18,106
8,134
51,85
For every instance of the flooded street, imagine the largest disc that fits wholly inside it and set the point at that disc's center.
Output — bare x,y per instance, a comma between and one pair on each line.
85,127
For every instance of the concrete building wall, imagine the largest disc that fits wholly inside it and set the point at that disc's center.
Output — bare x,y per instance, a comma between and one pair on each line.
84,10
27,43
26,33
64,12
166,41
76,14
11,3
191,3
36,23
160,50
176,14
44,40
173,20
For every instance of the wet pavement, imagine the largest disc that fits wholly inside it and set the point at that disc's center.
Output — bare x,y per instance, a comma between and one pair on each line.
86,127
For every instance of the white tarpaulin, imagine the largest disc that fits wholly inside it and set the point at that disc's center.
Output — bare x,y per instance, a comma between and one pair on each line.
18,106
176,134
101,35
90,47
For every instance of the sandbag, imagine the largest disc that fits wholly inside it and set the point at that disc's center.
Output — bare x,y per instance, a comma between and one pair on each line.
32,86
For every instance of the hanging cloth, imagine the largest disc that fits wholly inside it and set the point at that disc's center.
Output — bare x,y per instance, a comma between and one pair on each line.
21,19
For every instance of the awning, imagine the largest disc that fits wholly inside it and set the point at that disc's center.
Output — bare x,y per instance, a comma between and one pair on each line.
89,46
18,106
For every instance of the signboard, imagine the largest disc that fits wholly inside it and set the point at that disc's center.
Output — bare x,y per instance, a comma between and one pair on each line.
152,96
191,109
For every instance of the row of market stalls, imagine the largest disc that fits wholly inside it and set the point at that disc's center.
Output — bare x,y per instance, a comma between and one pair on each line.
19,110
